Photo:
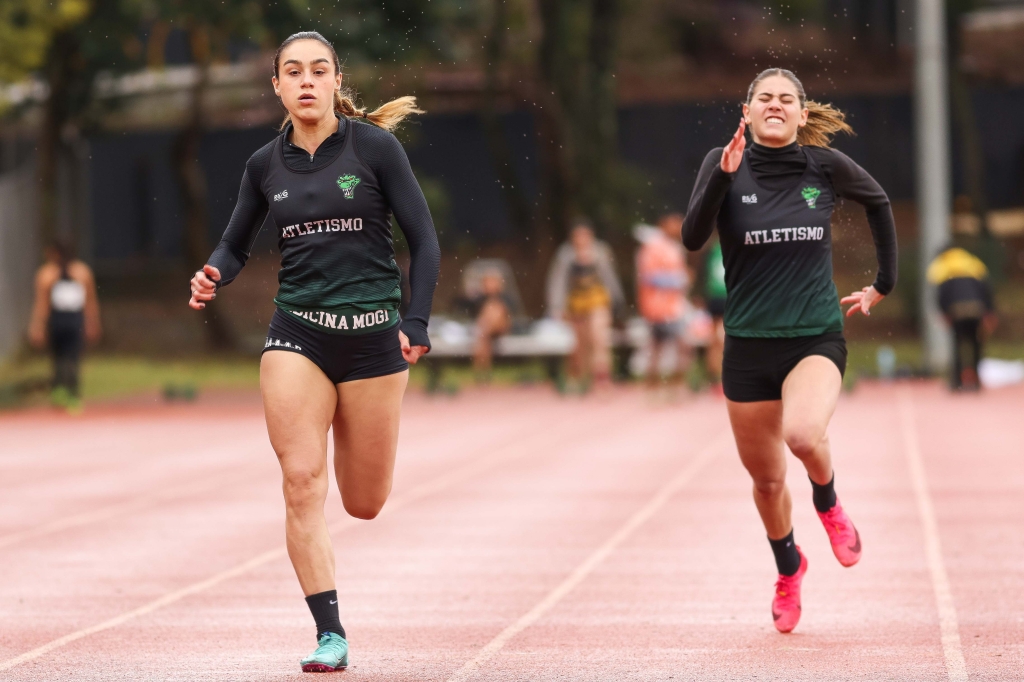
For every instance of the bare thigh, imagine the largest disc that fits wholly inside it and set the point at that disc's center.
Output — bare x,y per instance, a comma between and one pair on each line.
757,428
366,441
809,396
299,402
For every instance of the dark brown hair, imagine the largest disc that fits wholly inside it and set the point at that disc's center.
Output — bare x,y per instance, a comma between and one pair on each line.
387,116
823,120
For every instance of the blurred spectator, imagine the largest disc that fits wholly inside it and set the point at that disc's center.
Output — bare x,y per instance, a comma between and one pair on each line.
714,296
582,288
493,313
663,281
65,312
965,298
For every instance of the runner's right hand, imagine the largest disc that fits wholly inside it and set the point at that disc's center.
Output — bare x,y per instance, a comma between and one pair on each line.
732,155
204,287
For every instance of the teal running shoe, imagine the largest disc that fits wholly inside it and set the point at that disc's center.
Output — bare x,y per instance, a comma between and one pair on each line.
331,654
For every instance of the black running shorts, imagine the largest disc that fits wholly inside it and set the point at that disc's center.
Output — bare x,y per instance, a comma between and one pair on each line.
342,357
754,369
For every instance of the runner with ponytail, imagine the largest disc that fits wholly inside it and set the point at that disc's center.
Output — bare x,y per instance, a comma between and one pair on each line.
337,353
785,353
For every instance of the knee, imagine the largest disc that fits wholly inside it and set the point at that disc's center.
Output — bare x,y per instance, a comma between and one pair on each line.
769,487
304,487
365,508
803,440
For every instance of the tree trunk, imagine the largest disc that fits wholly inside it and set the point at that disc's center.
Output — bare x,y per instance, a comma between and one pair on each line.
576,60
497,143
970,147
557,200
600,124
59,68
193,192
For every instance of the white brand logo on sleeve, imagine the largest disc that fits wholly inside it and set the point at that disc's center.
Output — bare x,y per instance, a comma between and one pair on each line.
784,234
282,195
749,198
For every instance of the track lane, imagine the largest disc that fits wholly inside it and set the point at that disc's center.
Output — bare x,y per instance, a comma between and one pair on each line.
687,597
117,620
427,588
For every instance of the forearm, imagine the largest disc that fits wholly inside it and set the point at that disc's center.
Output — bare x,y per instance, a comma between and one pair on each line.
883,233
424,269
387,158
229,261
92,312
558,286
709,192
233,250
853,182
37,321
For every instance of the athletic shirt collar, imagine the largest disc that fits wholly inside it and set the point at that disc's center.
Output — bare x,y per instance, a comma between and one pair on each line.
777,167
297,158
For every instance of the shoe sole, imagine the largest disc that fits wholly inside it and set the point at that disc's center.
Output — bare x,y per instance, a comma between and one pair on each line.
321,668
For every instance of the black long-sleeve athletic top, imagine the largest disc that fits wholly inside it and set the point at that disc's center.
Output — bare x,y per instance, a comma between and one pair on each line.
330,262
773,217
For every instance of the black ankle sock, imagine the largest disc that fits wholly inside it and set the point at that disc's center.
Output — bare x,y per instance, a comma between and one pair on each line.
787,559
824,496
324,607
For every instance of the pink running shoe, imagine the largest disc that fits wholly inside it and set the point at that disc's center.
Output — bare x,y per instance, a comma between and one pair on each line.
841,533
786,605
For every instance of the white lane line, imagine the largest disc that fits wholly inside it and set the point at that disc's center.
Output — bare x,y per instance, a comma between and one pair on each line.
526,442
956,666
591,562
152,498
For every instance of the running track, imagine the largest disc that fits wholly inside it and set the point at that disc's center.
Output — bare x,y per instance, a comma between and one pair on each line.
528,538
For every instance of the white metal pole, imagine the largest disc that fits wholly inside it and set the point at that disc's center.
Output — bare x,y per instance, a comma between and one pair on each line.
931,117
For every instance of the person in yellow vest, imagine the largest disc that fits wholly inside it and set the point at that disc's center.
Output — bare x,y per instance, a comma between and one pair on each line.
965,298
582,289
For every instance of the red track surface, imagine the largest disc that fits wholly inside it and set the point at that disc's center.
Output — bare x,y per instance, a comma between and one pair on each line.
528,538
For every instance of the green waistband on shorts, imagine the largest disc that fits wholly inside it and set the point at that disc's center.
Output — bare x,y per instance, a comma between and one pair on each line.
344,320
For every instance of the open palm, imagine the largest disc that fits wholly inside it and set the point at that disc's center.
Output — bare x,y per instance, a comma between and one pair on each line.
732,155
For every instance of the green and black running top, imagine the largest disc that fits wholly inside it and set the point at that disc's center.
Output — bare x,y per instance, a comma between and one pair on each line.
333,214
774,222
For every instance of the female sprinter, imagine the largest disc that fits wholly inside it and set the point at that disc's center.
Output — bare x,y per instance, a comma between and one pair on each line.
336,354
784,350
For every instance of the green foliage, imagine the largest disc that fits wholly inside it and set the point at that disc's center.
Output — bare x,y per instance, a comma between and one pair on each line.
385,30
27,28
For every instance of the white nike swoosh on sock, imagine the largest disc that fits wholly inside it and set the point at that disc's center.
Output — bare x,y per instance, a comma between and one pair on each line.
333,602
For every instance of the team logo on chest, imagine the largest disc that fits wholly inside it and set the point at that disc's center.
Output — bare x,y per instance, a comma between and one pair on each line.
810,195
348,183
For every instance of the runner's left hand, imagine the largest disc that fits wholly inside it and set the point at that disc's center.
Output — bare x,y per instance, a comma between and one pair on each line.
409,352
862,300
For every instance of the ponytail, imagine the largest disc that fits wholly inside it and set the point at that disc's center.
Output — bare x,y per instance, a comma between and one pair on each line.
387,116
823,120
